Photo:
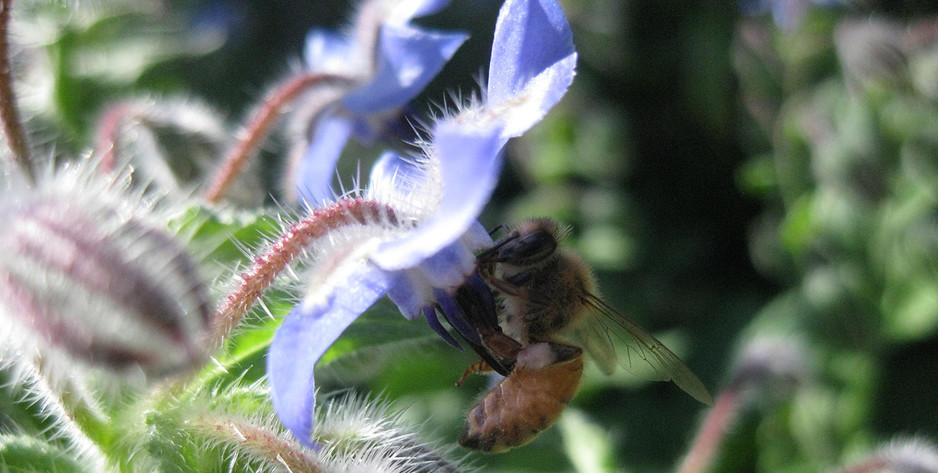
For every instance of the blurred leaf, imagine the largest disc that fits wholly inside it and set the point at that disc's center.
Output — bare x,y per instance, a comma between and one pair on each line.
25,454
224,238
797,232
556,200
588,446
758,176
607,247
911,311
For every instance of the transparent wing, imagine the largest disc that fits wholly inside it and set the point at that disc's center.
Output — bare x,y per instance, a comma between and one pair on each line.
611,338
591,336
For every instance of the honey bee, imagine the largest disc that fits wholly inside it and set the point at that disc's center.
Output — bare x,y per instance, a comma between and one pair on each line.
549,309
544,379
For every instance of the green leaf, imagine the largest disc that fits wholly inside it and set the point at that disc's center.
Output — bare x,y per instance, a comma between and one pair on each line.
588,446
911,311
220,237
379,336
20,454
243,357
798,229
221,240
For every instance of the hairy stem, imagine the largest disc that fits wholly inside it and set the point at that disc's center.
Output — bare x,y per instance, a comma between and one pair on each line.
259,441
9,114
105,146
282,252
70,420
259,125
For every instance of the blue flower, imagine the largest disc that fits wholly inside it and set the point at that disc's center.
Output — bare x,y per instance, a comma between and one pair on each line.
388,60
427,250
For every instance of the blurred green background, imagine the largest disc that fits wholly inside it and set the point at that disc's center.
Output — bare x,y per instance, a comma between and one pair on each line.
732,180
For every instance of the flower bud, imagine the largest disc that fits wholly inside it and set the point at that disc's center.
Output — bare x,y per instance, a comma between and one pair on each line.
86,273
775,365
899,456
871,52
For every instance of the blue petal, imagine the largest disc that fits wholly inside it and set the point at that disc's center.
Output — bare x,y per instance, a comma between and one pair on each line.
314,173
408,9
303,338
533,58
416,287
469,161
486,299
455,316
409,59
434,321
410,296
327,51
398,182
448,267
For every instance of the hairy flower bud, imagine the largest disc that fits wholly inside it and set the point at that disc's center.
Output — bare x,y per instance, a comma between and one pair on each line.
899,456
86,273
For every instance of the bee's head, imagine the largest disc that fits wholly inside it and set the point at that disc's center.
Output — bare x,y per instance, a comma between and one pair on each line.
530,244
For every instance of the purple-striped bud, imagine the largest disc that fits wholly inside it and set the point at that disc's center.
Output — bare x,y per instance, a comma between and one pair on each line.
86,272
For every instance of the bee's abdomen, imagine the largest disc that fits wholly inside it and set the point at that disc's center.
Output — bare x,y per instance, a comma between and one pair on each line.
523,404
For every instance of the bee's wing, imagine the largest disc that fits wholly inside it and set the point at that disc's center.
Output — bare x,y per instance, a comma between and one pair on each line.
611,337
597,343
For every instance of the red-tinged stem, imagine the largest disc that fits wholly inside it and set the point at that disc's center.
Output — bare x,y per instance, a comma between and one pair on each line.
711,434
9,114
283,251
260,442
105,147
259,125
870,465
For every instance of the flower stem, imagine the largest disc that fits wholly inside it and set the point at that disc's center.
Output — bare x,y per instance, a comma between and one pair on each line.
714,429
871,465
105,146
260,442
282,252
9,114
258,126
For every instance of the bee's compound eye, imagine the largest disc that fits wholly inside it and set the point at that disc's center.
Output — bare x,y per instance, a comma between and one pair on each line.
531,248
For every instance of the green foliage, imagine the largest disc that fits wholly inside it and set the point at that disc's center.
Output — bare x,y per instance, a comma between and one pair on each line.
799,204
27,454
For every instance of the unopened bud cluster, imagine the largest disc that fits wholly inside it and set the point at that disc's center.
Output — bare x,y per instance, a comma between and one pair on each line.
85,273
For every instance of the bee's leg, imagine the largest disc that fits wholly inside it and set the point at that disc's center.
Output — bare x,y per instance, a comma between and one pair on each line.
480,367
502,348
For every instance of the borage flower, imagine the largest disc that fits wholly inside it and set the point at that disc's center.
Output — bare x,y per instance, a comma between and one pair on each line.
421,248
389,62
